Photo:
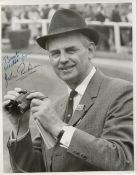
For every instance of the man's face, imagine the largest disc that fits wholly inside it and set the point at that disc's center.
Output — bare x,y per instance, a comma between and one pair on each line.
69,57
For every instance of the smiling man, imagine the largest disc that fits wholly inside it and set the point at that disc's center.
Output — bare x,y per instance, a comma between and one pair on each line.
93,126
71,55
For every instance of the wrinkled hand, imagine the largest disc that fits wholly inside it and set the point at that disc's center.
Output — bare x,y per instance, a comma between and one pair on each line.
14,118
42,109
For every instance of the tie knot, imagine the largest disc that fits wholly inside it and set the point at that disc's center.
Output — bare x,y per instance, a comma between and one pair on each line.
73,93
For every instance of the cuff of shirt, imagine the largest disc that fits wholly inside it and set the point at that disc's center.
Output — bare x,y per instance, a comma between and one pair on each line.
67,136
13,139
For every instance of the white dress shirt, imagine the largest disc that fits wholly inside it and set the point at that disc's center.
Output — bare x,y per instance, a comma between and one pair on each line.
69,130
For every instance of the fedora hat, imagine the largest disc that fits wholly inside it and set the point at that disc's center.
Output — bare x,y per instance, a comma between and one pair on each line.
64,21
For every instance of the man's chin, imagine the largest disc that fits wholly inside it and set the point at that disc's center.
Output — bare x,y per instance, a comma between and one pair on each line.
68,78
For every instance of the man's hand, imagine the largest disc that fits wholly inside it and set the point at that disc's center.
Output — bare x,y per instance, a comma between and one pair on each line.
43,110
14,118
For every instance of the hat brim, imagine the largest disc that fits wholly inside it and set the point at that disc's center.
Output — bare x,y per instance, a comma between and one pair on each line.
89,32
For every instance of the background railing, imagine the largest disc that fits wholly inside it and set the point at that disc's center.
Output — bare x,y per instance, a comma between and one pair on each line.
115,28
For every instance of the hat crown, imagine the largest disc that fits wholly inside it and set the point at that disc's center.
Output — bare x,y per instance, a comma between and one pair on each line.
65,19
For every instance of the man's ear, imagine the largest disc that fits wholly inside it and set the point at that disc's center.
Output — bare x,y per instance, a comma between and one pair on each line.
91,50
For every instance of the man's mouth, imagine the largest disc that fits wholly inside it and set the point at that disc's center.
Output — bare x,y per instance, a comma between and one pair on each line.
67,68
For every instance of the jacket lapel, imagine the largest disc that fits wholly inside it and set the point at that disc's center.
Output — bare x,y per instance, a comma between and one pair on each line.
88,98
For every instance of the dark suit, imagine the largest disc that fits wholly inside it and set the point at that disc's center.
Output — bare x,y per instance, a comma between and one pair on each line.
103,139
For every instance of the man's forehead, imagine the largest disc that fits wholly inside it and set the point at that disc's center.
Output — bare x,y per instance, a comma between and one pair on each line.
68,40
74,35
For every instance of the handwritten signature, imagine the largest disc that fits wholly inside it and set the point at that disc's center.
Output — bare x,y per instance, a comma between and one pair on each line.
20,71
10,61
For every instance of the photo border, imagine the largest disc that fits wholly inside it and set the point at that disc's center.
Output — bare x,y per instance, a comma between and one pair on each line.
40,2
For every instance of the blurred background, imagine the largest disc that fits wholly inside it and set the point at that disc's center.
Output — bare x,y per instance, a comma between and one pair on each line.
22,24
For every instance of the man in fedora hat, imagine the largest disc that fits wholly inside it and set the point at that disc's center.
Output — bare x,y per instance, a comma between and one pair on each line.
93,127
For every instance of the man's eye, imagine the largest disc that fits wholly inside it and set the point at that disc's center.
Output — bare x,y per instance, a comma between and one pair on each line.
55,54
71,51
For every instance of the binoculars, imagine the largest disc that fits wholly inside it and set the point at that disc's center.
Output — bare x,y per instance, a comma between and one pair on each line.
20,105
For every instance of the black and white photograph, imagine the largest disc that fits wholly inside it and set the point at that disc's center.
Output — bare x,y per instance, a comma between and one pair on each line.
67,86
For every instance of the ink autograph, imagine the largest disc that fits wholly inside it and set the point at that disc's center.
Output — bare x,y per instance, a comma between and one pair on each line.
17,67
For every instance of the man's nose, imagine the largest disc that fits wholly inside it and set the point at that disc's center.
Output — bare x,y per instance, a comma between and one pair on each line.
63,58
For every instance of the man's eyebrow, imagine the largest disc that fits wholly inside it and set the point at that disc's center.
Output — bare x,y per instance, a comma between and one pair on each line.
66,48
54,50
70,47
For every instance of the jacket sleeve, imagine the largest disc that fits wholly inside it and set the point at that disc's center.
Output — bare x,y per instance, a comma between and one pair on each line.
113,150
26,156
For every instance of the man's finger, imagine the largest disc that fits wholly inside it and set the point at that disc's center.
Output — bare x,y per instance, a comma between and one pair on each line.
5,103
38,95
13,93
9,97
18,89
35,116
35,102
34,109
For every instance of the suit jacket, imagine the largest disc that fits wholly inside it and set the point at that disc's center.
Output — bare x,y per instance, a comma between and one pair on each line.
102,141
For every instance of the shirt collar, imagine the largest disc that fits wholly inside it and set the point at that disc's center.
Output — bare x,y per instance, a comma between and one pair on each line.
83,85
